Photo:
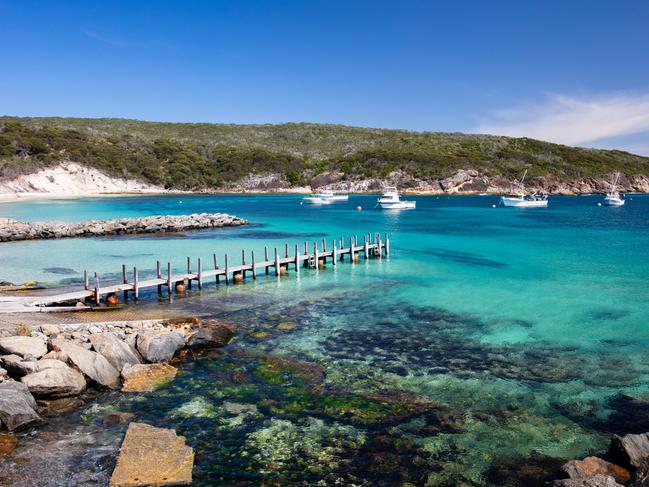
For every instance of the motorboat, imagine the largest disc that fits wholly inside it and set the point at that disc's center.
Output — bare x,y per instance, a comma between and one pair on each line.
392,201
523,200
613,198
324,198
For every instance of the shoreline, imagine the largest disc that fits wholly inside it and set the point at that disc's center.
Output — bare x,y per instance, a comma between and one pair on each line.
27,197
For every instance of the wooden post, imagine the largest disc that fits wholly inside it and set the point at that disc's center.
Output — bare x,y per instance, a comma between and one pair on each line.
124,281
169,279
387,244
285,250
243,263
266,258
315,254
276,263
324,245
97,301
254,269
86,285
216,267
297,259
378,243
366,248
306,248
200,274
333,255
227,270
158,275
351,250
136,289
342,246
355,240
189,271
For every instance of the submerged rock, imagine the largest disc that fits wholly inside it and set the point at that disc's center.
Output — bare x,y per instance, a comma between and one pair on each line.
92,364
146,377
159,347
152,456
55,382
116,351
17,405
26,347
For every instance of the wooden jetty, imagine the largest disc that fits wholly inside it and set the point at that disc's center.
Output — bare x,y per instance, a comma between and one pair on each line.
279,262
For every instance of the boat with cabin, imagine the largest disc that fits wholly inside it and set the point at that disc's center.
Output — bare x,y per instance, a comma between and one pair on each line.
324,198
390,200
523,200
613,198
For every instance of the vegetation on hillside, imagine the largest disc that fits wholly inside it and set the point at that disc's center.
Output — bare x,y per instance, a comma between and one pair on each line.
193,156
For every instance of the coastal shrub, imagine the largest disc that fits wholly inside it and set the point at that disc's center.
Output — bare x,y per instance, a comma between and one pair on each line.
199,156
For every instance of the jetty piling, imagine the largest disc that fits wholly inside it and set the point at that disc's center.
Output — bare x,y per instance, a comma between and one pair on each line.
372,247
297,259
136,288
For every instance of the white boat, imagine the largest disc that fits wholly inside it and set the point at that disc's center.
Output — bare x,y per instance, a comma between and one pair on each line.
324,198
523,200
392,201
613,198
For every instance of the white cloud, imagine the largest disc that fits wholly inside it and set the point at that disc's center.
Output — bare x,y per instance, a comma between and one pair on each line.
574,121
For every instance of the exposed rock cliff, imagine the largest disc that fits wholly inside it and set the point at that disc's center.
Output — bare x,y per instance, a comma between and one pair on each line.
71,179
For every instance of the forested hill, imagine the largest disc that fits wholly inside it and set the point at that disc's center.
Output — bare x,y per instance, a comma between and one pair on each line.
198,155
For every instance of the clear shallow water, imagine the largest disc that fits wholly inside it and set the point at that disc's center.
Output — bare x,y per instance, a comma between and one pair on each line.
492,344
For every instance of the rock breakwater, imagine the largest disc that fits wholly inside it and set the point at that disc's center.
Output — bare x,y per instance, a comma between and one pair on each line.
13,230
132,356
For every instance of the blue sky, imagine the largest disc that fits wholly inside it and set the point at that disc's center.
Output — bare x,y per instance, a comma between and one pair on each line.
575,72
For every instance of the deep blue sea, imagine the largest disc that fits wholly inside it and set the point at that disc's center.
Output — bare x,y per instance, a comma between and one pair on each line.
489,347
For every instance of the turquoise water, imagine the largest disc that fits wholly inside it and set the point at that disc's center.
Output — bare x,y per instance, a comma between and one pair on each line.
492,344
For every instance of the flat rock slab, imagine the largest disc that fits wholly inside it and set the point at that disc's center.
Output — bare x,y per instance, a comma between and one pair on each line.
152,456
591,466
8,444
26,347
146,377
594,481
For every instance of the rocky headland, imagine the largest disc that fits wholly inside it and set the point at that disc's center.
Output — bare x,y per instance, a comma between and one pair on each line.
475,182
13,230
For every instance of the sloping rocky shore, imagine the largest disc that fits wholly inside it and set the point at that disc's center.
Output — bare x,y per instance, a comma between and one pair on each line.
13,230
